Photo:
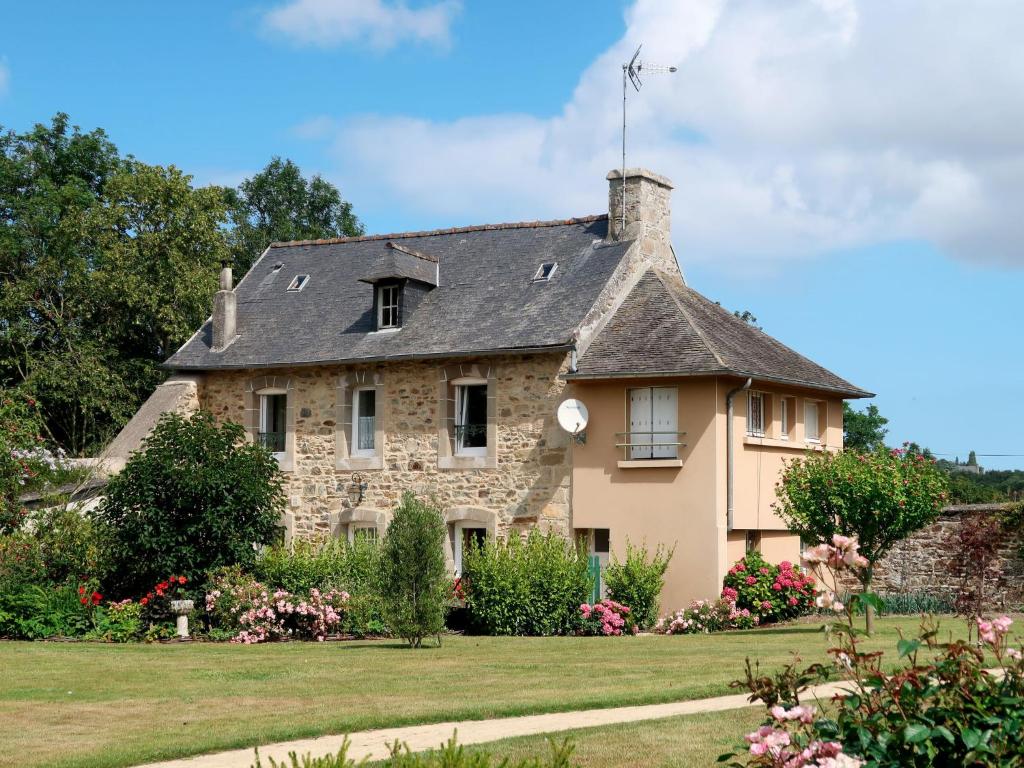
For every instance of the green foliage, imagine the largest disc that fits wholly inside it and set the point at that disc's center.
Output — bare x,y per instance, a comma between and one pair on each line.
915,603
939,706
278,204
525,587
117,622
450,755
197,497
330,564
863,431
33,612
68,545
878,499
638,581
414,579
770,592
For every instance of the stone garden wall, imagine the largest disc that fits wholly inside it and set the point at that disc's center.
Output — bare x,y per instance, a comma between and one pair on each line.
928,561
529,486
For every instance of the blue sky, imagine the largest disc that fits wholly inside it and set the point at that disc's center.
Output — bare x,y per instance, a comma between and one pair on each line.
847,171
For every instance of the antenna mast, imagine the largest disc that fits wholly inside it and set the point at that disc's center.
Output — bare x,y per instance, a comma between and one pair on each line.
631,73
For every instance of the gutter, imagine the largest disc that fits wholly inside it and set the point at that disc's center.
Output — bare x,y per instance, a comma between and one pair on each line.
730,459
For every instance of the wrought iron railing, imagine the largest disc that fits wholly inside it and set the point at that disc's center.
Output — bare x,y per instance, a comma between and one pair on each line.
645,440
272,441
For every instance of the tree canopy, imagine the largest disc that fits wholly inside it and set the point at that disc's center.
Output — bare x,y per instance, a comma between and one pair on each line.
109,264
863,431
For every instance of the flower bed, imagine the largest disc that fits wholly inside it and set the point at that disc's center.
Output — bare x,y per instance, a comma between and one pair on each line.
607,618
770,592
705,616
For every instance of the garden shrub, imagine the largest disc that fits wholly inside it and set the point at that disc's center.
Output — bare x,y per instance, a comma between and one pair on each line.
704,616
414,583
327,564
119,622
197,497
239,604
606,617
770,592
638,581
34,612
450,755
68,545
940,706
531,586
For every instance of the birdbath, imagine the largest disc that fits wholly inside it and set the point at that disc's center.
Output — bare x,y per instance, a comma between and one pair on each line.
182,608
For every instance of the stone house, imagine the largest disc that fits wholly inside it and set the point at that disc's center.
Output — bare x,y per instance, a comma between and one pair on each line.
436,361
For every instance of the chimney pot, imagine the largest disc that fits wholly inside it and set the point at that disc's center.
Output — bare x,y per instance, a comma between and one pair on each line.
225,307
647,204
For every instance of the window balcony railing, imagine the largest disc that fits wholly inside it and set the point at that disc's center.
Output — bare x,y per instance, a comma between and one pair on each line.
650,445
272,441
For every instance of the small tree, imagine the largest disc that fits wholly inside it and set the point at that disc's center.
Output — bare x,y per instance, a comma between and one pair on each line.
878,499
197,497
414,578
638,581
863,431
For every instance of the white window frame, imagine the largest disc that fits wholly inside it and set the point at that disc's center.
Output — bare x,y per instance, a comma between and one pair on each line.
639,435
540,276
755,426
460,385
816,438
298,283
393,305
264,415
457,540
354,527
356,450
784,418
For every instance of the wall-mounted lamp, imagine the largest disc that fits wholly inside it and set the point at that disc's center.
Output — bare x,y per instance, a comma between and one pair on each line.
356,489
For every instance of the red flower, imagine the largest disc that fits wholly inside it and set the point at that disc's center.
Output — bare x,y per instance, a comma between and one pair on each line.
81,590
144,601
181,579
96,597
84,600
162,585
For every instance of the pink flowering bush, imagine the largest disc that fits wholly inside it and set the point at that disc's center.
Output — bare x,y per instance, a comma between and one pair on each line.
705,616
240,604
953,703
606,618
770,592
834,559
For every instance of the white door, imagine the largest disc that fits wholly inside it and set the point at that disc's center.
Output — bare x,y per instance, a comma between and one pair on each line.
665,410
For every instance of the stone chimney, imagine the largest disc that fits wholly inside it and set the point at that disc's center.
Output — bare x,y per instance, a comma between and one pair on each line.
224,310
648,219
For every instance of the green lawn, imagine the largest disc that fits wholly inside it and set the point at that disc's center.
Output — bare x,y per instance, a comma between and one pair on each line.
68,704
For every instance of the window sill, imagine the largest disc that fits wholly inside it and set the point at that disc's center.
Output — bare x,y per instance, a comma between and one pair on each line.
650,463
360,462
467,462
772,442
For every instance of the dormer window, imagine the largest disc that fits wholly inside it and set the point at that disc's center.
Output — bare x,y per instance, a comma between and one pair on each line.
387,307
298,283
545,271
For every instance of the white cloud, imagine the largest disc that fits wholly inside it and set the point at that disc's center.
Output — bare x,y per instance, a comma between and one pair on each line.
377,23
792,128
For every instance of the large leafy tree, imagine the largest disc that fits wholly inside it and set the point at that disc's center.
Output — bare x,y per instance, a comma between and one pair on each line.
863,431
879,499
277,204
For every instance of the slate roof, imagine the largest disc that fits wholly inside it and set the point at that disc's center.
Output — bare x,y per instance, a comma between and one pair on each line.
664,327
486,301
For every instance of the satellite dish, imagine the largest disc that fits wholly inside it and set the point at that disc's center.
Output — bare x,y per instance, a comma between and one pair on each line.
572,416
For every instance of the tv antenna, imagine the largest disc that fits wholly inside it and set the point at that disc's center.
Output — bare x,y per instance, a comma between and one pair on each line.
631,74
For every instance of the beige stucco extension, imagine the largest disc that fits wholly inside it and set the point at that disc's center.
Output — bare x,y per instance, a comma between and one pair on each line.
683,504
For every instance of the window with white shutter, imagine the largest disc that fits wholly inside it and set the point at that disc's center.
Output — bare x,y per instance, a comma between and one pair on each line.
812,427
653,423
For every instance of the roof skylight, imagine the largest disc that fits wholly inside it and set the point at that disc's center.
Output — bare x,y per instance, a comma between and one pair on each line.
546,270
298,283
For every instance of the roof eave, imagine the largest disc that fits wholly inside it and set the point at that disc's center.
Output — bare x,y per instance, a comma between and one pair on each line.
847,393
563,347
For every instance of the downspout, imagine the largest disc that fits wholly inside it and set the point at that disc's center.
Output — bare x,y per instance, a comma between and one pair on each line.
730,459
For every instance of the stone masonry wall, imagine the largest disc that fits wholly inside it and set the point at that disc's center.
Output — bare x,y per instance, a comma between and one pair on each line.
529,487
928,561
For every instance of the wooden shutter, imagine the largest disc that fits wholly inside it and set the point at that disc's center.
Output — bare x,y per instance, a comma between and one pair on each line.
640,422
665,411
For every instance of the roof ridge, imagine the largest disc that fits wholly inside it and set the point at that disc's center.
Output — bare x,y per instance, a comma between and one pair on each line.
447,231
689,318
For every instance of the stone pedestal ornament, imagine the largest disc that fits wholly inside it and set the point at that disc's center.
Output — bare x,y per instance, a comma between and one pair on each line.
182,608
